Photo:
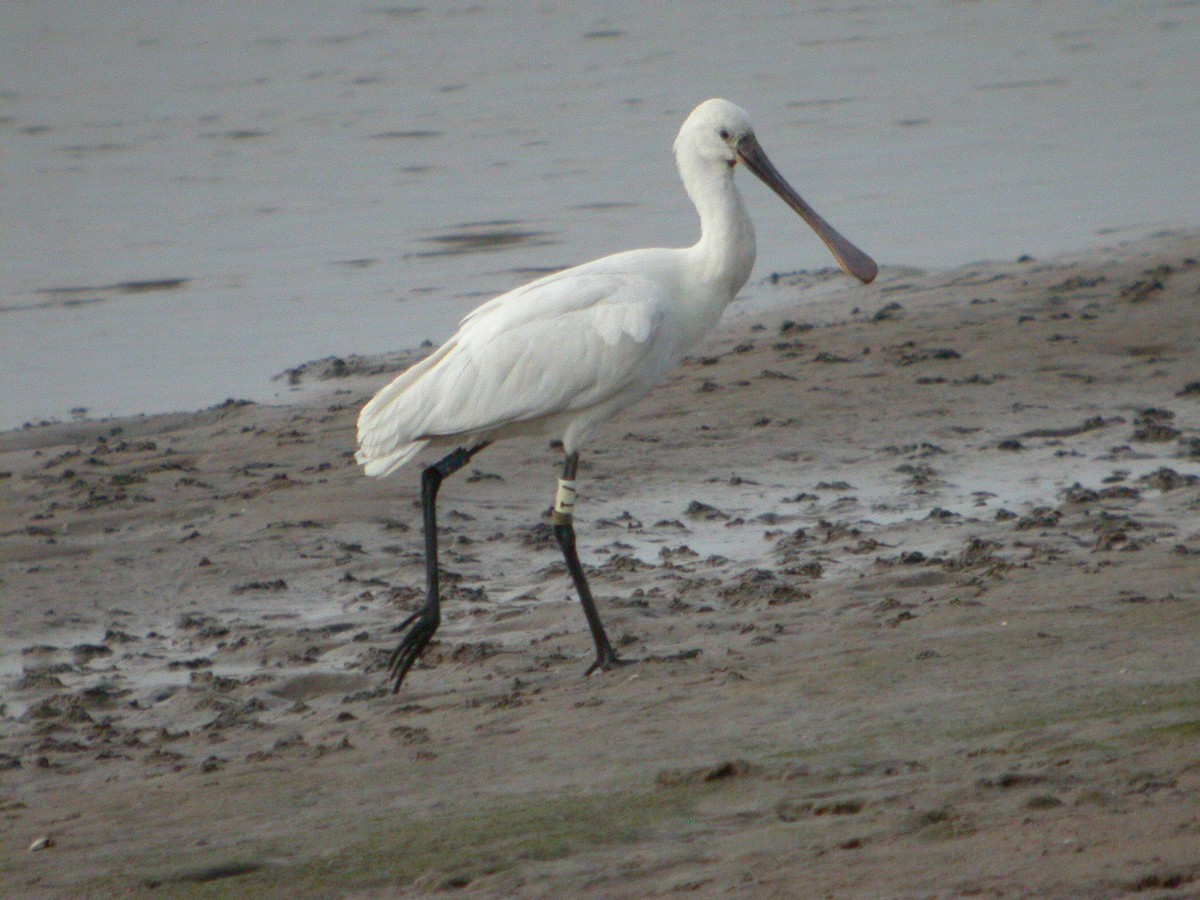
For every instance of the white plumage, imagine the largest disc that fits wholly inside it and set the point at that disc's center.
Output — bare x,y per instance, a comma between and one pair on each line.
558,346
566,352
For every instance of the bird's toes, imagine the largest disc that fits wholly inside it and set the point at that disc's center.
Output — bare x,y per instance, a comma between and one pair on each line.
409,649
607,663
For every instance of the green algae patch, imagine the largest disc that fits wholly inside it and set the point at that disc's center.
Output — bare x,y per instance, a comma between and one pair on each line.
443,851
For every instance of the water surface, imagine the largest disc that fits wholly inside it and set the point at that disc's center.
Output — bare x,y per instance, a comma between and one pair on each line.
198,196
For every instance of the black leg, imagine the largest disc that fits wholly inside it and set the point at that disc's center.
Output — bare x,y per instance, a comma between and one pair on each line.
564,531
424,622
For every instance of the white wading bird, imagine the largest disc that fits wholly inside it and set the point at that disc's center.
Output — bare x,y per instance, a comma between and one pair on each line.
568,351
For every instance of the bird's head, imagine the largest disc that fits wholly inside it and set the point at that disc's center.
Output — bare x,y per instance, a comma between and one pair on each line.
714,130
719,133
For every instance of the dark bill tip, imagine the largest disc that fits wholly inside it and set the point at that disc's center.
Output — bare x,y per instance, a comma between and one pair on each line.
852,260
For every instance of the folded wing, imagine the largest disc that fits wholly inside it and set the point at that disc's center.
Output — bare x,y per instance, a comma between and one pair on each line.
564,343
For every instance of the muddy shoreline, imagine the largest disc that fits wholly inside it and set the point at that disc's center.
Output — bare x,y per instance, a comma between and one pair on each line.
937,558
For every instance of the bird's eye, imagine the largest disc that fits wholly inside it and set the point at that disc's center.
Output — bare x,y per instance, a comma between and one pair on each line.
724,132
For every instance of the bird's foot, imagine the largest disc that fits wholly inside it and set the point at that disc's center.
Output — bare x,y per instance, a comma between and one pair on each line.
423,624
674,657
606,661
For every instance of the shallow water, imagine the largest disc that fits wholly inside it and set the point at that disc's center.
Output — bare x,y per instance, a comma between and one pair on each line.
197,197
749,516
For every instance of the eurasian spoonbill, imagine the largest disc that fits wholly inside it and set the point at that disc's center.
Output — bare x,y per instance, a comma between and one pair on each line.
570,350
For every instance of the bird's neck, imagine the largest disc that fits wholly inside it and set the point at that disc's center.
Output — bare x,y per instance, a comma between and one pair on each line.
724,255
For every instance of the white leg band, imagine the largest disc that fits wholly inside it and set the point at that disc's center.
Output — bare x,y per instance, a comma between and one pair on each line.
564,500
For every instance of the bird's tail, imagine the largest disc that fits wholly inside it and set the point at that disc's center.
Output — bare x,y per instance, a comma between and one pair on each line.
379,466
385,430
391,427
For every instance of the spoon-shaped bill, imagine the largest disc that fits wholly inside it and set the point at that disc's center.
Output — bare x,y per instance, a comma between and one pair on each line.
852,260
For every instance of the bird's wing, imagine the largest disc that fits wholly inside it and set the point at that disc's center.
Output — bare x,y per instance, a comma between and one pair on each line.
562,343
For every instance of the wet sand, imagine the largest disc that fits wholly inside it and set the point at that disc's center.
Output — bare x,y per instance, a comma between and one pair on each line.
279,183
931,549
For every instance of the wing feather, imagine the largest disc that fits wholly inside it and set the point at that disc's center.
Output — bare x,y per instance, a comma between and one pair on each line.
566,342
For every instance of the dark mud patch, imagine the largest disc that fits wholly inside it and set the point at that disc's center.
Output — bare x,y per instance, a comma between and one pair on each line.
413,135
67,297
484,237
205,874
